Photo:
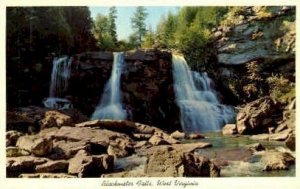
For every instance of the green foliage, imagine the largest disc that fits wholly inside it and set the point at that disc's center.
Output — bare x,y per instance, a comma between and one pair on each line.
112,16
281,88
138,23
149,40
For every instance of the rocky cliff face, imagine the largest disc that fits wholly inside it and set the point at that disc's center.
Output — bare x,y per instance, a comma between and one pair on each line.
146,85
252,44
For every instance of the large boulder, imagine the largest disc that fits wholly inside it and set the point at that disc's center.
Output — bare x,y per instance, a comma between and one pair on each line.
274,160
12,137
35,144
167,162
84,165
22,164
56,119
229,129
256,116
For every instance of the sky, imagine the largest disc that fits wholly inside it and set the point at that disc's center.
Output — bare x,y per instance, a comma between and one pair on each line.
123,20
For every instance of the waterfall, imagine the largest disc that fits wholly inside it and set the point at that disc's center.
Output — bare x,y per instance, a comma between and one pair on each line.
110,106
60,75
200,109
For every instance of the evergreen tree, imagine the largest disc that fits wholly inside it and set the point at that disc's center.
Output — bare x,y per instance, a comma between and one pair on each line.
138,23
112,16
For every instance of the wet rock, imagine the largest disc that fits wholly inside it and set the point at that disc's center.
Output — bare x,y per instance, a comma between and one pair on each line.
190,147
199,166
46,175
274,160
291,142
250,119
12,137
256,147
235,154
16,152
53,167
229,129
178,135
55,119
84,165
36,145
22,164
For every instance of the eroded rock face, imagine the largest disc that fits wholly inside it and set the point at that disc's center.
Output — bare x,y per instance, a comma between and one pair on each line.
36,145
256,116
56,119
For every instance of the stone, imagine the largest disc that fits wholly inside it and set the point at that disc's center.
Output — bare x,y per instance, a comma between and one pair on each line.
64,149
281,136
36,145
178,135
46,175
138,136
23,164
143,143
291,142
120,149
274,160
199,166
256,147
167,162
157,140
53,167
12,137
121,126
84,165
190,147
260,137
193,136
250,119
55,119
13,151
229,129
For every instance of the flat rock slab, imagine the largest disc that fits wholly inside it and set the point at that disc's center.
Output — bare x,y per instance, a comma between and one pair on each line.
99,136
53,167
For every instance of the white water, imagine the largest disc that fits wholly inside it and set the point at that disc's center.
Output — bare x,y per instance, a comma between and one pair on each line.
110,106
60,75
200,109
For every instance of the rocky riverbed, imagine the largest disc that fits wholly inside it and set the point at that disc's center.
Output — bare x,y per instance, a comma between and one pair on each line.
44,143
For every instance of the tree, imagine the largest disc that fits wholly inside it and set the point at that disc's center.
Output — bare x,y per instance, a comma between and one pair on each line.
138,23
101,33
149,40
112,16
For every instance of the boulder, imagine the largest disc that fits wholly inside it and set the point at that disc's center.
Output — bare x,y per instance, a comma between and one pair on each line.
100,137
13,151
120,149
178,135
229,129
291,142
256,147
36,145
274,160
64,149
84,165
22,164
251,118
12,137
199,166
53,167
157,140
167,162
55,119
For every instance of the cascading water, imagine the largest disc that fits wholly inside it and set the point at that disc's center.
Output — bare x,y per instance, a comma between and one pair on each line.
110,106
60,75
200,109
